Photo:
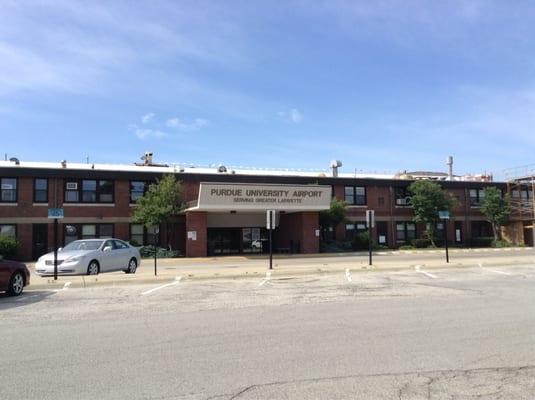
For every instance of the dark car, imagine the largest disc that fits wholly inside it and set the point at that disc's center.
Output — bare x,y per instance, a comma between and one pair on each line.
13,277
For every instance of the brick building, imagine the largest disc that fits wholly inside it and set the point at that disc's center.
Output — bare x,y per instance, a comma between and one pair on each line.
225,211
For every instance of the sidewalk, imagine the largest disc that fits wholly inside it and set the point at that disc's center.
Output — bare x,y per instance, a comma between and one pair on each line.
235,267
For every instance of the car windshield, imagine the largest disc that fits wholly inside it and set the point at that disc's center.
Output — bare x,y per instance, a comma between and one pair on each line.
83,245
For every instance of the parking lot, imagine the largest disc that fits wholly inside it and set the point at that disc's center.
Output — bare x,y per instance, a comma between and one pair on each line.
415,333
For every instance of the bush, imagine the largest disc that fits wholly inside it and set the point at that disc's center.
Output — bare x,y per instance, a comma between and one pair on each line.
161,252
335,246
8,246
501,243
481,241
361,241
421,243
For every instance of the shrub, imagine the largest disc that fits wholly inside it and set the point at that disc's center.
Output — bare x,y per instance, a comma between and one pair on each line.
8,246
335,246
161,252
481,241
361,241
421,243
501,243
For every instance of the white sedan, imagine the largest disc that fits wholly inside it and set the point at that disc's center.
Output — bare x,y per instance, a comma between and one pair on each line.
91,257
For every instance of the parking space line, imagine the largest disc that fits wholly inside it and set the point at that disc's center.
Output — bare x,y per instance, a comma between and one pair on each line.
429,275
266,279
65,287
348,275
175,282
25,298
494,270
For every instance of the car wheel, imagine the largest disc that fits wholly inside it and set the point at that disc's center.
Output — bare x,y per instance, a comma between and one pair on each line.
93,268
16,284
132,266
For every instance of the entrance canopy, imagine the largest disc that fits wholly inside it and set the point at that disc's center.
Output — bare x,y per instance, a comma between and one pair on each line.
253,197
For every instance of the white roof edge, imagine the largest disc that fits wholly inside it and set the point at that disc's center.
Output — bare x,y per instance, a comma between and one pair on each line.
182,169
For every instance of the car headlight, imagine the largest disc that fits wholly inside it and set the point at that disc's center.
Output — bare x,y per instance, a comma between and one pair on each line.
73,259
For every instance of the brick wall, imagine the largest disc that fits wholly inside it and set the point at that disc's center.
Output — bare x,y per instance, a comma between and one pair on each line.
196,221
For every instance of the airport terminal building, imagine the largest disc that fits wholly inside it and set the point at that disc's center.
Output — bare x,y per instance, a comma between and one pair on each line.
225,209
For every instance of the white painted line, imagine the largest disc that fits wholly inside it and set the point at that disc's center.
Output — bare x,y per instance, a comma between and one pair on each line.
429,275
175,282
24,298
266,279
348,275
496,271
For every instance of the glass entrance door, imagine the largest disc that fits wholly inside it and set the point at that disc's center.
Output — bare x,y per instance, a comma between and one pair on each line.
223,241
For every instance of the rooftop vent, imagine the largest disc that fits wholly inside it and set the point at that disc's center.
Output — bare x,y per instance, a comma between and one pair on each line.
335,164
63,163
221,169
449,162
148,161
15,160
147,158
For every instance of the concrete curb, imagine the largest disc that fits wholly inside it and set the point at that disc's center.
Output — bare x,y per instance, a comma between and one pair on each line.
85,282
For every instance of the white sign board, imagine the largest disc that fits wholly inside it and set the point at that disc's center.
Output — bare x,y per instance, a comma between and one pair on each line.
192,235
370,218
271,219
245,196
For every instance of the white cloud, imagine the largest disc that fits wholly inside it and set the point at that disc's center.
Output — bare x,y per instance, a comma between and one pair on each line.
177,123
293,116
147,117
144,133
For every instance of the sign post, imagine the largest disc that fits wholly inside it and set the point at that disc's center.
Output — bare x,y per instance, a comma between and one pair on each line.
270,225
445,216
156,232
55,214
370,221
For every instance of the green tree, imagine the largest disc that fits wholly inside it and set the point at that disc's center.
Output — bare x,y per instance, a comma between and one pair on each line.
427,199
162,201
496,209
334,216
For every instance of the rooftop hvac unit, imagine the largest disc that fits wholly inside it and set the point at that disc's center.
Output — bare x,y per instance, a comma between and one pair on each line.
72,185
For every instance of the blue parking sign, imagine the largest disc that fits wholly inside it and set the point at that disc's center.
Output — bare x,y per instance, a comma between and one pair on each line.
55,213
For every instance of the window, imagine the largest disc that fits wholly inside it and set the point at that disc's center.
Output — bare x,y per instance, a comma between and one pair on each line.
402,196
355,195
8,190
87,231
476,197
405,232
355,228
105,191
40,190
8,230
120,245
137,190
89,191
481,229
137,234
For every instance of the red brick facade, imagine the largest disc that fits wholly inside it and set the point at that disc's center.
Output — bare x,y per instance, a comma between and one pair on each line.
297,231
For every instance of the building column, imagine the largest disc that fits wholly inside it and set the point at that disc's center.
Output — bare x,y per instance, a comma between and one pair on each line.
310,243
196,234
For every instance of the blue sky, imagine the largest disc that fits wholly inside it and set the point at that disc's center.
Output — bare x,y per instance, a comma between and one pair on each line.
380,85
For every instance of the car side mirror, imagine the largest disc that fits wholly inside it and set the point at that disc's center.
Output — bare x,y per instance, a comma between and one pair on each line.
107,248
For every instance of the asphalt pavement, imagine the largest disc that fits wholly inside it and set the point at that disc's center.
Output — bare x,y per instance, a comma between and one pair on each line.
416,333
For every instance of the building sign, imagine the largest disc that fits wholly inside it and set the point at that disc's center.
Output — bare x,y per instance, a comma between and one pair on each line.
55,213
223,197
